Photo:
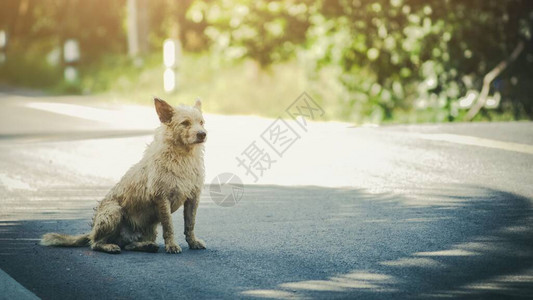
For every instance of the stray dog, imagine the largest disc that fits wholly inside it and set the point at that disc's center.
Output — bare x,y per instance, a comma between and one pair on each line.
170,174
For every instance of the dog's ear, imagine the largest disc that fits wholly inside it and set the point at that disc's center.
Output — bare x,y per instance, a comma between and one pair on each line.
198,104
164,110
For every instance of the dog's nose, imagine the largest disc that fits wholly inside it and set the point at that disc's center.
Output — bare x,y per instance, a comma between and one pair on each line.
201,135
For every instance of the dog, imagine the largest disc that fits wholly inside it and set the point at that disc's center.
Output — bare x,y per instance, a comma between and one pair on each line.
170,174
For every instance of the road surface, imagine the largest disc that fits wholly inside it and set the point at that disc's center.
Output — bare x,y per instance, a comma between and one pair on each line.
425,211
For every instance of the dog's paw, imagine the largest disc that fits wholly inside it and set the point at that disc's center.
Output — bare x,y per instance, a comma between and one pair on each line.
196,244
112,249
107,248
172,248
152,247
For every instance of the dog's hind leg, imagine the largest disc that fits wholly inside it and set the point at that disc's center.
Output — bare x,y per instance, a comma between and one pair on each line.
146,246
106,225
146,242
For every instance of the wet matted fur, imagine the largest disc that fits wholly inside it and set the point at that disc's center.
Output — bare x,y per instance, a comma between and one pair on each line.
170,174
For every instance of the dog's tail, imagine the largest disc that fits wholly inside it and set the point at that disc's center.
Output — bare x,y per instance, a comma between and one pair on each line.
64,240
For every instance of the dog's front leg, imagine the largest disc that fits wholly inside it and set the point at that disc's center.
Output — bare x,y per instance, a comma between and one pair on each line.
165,216
189,216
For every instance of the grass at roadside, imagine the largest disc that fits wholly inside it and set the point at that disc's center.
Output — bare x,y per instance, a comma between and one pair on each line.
241,88
245,88
226,88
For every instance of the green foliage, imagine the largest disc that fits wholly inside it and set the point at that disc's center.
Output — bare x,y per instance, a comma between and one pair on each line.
96,24
30,72
389,55
371,60
267,31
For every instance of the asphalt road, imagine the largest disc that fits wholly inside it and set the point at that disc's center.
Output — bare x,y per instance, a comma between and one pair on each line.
426,211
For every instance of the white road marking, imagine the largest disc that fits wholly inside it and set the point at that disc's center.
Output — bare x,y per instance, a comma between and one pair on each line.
13,183
123,116
476,141
73,110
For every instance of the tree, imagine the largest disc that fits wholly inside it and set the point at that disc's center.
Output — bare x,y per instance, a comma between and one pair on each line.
392,54
42,25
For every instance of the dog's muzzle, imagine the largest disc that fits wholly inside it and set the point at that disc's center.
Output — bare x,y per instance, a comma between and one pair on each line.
200,136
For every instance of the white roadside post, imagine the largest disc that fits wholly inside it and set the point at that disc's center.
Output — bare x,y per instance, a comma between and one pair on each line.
3,46
171,59
71,55
493,101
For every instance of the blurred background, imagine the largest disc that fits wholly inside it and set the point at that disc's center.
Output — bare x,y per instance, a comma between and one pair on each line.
364,61
353,210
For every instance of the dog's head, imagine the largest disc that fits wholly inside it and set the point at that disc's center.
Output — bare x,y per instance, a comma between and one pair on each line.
183,124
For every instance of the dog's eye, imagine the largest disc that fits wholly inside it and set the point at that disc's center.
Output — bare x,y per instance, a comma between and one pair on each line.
185,123
201,122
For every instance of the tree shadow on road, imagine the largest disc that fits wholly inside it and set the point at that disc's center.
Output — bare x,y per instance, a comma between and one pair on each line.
302,242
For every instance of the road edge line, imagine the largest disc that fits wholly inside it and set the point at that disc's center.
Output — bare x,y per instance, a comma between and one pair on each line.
12,289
